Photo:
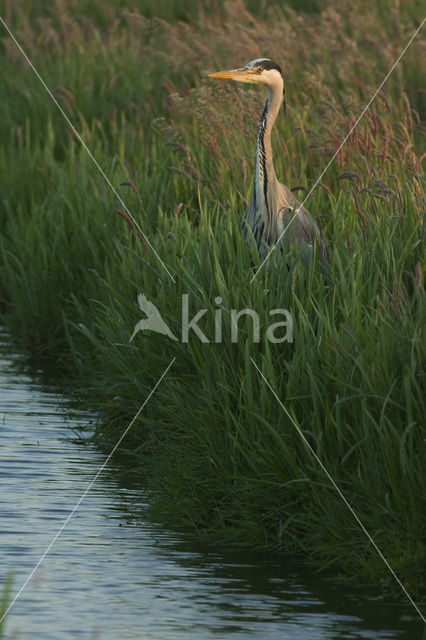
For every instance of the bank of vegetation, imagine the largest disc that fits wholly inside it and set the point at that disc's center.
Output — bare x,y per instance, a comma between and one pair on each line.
219,453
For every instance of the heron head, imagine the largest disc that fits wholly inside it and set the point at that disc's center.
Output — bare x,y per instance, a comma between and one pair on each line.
259,71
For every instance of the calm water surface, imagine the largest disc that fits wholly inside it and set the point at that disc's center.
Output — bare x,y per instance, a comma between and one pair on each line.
111,575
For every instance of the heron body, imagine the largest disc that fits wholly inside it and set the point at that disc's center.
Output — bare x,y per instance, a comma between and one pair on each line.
274,215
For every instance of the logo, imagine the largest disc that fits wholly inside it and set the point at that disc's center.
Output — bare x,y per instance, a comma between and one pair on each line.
276,332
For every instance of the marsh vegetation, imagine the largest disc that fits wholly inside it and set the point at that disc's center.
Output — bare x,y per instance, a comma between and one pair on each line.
221,456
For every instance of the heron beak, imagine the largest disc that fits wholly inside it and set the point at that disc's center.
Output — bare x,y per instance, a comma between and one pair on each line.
242,75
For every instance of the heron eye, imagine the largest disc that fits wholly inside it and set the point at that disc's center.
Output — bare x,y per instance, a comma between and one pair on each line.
259,69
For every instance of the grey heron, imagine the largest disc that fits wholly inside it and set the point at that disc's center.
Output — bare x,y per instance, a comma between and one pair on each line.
273,212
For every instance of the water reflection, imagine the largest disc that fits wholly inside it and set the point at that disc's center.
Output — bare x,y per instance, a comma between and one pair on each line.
112,574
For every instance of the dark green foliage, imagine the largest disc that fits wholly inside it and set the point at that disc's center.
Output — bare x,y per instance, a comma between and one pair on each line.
220,453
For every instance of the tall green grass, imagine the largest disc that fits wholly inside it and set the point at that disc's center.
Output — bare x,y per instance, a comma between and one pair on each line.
220,454
4,602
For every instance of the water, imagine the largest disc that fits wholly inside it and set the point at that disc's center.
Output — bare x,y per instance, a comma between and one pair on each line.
112,575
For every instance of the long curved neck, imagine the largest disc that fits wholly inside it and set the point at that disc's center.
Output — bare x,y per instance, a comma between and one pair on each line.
265,172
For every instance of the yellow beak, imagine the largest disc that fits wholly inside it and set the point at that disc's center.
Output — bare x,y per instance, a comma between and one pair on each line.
243,75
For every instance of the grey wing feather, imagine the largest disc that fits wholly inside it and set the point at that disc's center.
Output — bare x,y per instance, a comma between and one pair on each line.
296,221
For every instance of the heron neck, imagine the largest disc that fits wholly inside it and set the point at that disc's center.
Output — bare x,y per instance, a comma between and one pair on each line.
265,172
